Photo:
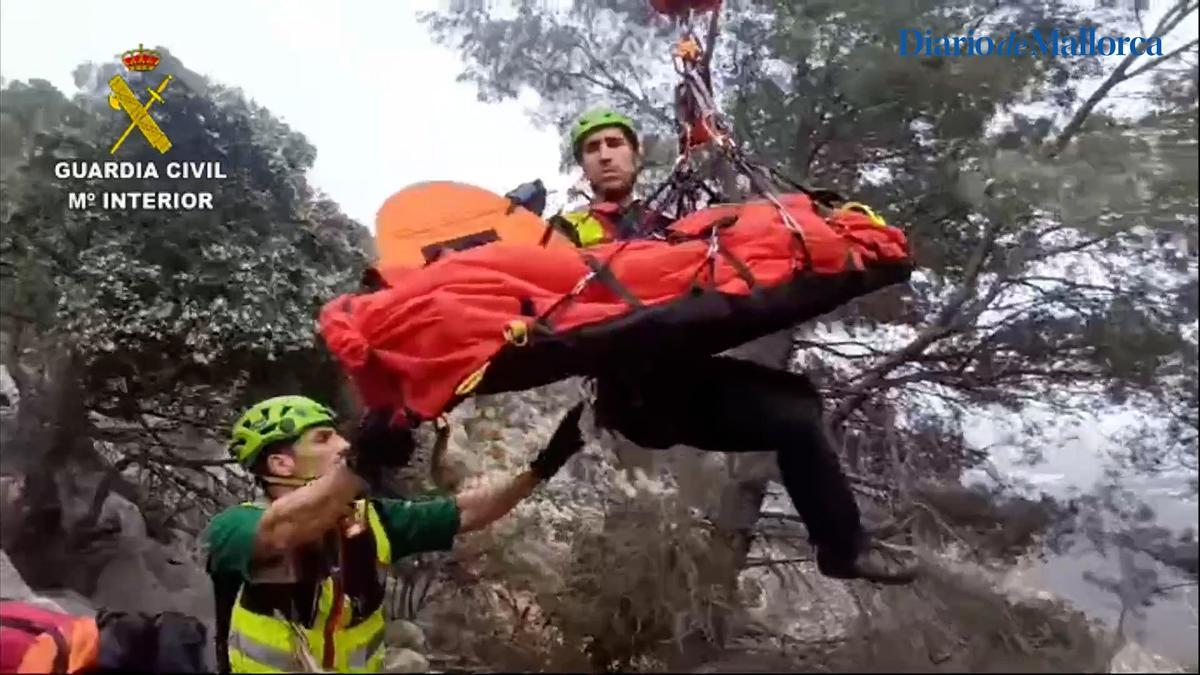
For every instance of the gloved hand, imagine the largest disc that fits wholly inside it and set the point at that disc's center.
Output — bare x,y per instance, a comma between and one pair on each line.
565,442
379,443
531,196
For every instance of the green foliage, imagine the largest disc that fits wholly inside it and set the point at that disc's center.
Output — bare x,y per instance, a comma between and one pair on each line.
1052,266
245,278
644,587
183,315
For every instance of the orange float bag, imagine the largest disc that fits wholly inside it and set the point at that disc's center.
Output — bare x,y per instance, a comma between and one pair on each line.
424,221
38,640
508,316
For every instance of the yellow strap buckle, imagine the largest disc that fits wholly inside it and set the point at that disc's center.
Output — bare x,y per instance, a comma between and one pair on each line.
516,333
471,381
687,49
866,210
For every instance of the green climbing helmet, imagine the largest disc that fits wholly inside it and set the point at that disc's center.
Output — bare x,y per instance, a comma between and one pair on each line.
276,419
600,118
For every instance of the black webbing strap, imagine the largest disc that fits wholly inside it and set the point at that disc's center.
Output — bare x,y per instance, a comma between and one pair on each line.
743,270
564,227
598,271
739,266
602,273
62,652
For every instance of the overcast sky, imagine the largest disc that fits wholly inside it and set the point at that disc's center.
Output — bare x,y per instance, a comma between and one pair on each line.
286,55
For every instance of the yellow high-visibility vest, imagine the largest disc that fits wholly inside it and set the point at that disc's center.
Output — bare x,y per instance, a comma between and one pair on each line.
272,644
589,230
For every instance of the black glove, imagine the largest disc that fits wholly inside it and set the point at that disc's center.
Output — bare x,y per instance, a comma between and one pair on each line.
531,196
565,442
380,443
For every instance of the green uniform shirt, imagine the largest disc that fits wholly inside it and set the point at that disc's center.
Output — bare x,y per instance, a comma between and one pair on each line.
411,526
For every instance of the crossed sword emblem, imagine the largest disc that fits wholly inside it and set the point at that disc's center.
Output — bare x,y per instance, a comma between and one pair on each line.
123,98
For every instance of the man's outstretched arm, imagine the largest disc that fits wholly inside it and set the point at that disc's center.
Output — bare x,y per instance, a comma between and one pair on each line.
483,505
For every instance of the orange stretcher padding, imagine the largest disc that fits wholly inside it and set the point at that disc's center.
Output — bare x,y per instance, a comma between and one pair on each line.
471,318
416,221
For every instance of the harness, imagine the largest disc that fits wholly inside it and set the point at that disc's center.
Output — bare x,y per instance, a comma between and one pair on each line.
335,639
704,134
605,222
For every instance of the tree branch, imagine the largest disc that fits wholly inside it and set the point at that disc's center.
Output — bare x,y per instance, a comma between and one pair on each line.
117,413
714,24
946,324
614,85
1170,19
1162,59
765,562
827,347
781,516
1072,248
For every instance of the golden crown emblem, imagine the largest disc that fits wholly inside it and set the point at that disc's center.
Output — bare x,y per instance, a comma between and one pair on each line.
140,59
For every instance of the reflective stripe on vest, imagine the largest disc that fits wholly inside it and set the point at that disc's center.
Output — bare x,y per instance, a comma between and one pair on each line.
587,227
266,644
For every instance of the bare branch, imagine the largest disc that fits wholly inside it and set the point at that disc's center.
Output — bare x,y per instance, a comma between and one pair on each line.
828,348
714,24
1072,248
937,518
946,323
614,84
1162,59
1168,22
765,562
974,25
781,516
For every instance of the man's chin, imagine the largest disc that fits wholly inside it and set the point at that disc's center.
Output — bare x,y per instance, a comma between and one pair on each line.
614,191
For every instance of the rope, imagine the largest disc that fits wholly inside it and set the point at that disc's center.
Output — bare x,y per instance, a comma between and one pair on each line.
694,98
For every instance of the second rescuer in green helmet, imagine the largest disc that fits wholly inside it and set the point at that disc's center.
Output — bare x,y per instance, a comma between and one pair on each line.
298,426
298,573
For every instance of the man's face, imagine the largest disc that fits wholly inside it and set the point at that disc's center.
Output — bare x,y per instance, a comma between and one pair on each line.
609,162
313,454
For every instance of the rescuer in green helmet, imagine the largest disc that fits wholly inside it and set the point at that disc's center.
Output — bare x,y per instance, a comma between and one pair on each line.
606,146
716,403
299,573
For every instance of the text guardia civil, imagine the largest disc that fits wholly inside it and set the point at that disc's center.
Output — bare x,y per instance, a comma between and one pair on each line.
154,196
1084,42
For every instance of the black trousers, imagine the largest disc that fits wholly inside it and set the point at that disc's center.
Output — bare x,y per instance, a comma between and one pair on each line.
723,404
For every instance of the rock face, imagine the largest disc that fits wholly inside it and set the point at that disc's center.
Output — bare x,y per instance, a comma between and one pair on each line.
13,587
404,661
404,634
405,643
124,569
141,574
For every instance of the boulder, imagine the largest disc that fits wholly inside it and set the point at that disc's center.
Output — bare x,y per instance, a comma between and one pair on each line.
404,634
118,513
71,602
404,661
13,587
11,489
143,576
